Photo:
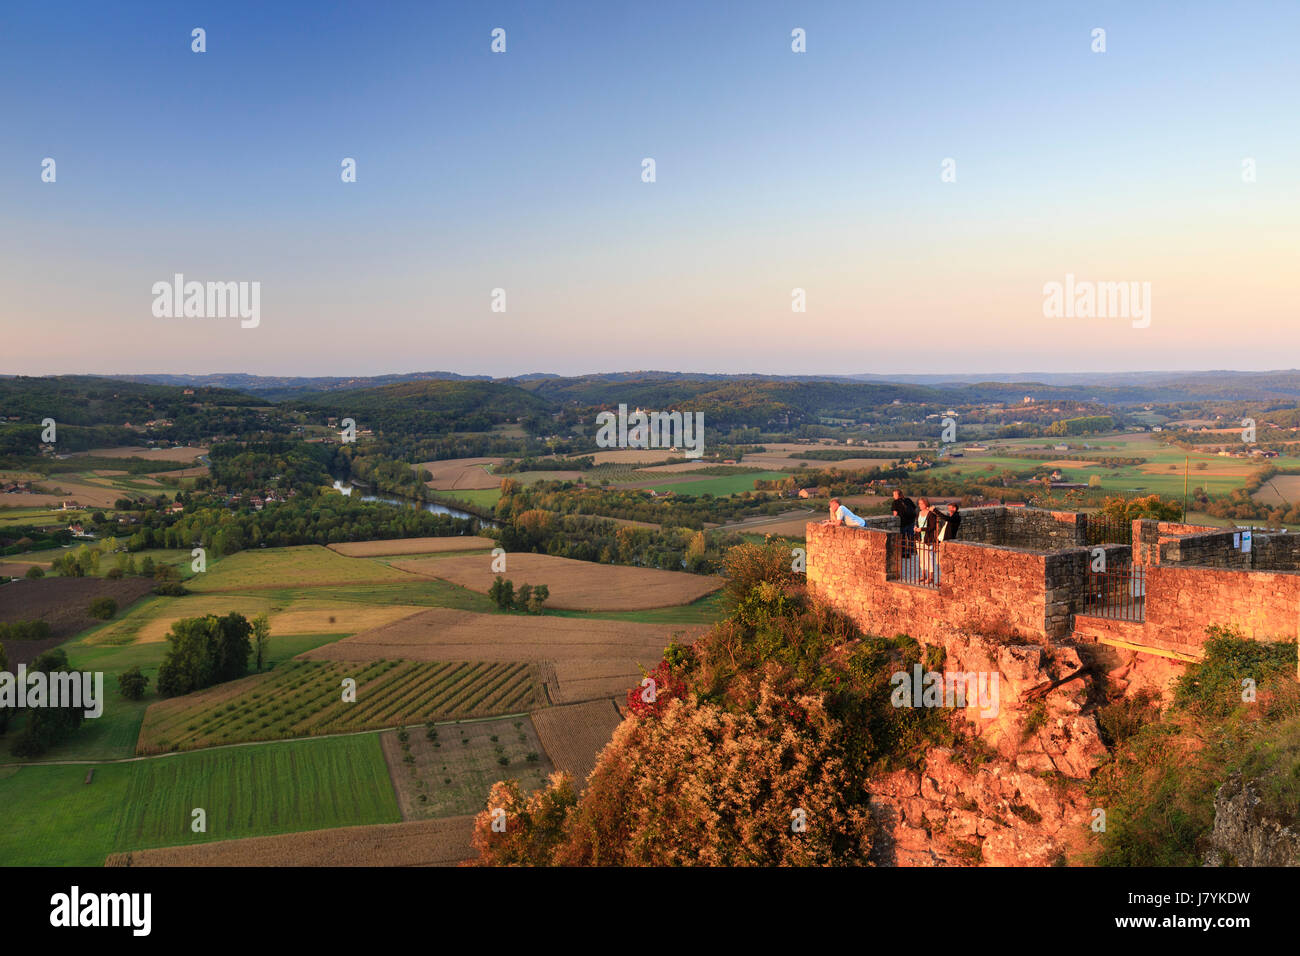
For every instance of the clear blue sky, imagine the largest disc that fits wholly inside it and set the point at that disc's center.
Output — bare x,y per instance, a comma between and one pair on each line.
775,170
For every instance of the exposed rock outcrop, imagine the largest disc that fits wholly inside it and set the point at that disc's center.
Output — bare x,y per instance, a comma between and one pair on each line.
1014,797
1245,834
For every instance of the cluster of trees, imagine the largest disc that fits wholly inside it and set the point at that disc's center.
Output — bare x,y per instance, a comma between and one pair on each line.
323,518
783,706
90,412
24,631
524,598
237,467
585,463
586,538
386,474
208,650
44,726
684,511
1083,425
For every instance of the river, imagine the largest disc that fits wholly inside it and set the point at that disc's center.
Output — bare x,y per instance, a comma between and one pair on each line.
434,507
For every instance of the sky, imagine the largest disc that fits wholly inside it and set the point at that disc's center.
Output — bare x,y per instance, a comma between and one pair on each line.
822,171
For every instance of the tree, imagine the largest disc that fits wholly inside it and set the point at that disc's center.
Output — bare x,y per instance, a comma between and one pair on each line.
539,596
523,597
34,572
204,651
102,608
132,683
261,638
48,726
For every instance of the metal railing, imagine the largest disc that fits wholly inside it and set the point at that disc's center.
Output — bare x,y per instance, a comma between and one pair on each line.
1117,593
1106,530
918,564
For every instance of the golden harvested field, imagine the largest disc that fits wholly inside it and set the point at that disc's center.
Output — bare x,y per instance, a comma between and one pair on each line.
443,842
306,566
465,473
181,473
574,585
375,549
1282,489
574,734
1069,463
89,496
586,658
182,453
308,616
788,525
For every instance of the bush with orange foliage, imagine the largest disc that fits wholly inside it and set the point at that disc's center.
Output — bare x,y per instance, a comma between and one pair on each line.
758,749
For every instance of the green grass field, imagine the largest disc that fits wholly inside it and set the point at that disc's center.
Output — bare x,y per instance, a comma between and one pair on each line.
307,565
245,791
483,497
719,486
302,698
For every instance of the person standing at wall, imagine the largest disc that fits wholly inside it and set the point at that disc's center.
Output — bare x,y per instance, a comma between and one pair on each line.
951,523
927,537
905,510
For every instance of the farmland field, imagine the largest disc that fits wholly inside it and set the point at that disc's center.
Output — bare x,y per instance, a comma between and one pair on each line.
175,453
64,602
574,735
304,698
719,486
253,791
588,657
65,821
574,585
482,497
373,549
450,774
461,473
305,566
308,614
443,842
246,791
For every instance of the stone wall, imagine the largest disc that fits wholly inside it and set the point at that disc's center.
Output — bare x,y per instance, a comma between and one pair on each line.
990,589
1275,552
1182,601
1037,596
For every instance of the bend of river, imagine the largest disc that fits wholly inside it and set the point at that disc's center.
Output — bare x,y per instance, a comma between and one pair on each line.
434,507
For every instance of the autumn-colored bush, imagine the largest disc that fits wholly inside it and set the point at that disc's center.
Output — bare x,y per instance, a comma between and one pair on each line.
516,830
657,688
756,747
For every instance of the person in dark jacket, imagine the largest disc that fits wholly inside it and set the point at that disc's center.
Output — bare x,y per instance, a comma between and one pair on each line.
951,524
905,510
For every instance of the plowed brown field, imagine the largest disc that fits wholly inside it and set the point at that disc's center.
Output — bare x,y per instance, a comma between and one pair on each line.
443,842
375,549
573,735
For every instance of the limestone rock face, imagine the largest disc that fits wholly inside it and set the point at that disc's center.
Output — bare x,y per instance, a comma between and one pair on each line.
951,814
1020,802
1244,835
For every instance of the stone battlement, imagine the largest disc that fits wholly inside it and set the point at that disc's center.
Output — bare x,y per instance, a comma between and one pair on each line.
1029,574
